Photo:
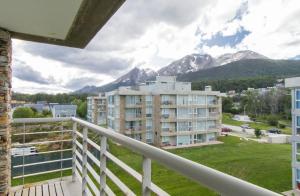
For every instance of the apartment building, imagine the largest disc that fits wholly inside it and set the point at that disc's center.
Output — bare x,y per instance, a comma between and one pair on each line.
165,112
294,85
96,109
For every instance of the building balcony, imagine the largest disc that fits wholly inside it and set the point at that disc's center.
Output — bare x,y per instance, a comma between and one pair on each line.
168,118
133,117
168,104
82,159
134,105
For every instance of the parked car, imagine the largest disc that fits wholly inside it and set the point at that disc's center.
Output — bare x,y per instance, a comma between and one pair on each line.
226,130
274,131
245,126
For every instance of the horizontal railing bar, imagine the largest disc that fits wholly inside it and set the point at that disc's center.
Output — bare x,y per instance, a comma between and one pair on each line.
78,165
38,143
108,191
113,178
46,172
92,185
40,120
79,134
119,183
93,158
40,163
46,152
135,174
89,141
41,132
96,146
78,144
78,155
204,175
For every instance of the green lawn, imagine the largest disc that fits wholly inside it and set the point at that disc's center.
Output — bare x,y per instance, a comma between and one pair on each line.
267,165
227,119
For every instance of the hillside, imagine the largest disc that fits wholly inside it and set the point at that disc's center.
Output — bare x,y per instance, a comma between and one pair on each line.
246,69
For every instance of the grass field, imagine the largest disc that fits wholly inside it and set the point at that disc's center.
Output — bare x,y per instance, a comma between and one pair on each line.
267,165
227,119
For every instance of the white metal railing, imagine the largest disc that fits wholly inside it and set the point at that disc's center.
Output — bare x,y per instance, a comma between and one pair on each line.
84,163
24,132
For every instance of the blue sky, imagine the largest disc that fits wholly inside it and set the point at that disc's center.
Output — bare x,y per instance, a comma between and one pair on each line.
146,35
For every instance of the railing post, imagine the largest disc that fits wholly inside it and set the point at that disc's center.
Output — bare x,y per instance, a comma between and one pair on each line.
102,165
74,138
84,161
146,182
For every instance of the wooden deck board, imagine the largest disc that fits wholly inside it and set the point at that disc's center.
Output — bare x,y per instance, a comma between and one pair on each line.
52,189
58,189
45,190
25,192
32,191
38,190
49,188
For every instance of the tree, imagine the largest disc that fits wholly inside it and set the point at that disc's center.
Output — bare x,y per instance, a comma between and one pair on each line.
23,112
82,110
257,132
46,113
227,104
272,120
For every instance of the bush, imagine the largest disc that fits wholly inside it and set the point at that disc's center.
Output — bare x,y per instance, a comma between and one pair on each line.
281,126
23,112
257,133
272,120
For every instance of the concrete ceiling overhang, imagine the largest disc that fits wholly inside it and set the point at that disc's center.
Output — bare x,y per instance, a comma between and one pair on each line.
70,23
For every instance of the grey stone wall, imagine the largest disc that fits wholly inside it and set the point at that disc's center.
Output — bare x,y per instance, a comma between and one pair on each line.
5,97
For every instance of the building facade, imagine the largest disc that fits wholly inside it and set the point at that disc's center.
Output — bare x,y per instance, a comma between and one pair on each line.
294,85
96,109
165,113
63,110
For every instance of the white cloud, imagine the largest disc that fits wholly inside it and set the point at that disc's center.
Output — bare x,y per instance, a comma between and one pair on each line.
154,33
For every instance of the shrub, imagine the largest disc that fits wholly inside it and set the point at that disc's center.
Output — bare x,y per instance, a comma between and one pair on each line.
23,112
272,120
257,132
281,126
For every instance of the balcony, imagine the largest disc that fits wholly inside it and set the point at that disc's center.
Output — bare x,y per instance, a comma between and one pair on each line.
84,171
168,104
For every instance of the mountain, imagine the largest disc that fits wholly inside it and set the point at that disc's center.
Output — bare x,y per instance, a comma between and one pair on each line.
189,63
195,67
232,57
246,68
133,77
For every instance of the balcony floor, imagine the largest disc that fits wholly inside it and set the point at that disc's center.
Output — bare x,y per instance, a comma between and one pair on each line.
56,187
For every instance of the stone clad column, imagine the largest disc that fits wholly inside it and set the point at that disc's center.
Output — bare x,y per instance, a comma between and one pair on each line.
5,96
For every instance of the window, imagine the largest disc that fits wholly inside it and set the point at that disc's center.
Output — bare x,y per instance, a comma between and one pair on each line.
149,112
298,125
149,100
182,99
297,99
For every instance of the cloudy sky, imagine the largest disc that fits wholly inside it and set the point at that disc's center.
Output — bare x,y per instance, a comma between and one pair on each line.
151,34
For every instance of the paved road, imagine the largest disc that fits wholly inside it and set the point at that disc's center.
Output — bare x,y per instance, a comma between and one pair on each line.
238,129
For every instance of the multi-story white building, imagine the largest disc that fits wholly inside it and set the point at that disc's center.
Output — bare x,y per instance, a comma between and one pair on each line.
96,109
294,84
165,112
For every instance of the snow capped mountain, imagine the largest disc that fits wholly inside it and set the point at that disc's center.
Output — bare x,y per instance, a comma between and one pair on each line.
186,65
189,63
244,54
136,75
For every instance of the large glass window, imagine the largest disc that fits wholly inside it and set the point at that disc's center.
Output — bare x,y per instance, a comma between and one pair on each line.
297,99
149,100
182,100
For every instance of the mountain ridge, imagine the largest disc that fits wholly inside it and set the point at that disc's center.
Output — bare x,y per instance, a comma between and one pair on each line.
188,68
